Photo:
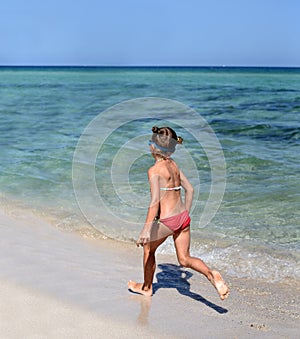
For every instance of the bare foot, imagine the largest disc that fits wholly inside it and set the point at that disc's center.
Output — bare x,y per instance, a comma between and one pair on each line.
220,285
138,288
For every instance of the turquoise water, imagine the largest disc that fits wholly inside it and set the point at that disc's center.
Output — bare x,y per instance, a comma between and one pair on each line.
254,113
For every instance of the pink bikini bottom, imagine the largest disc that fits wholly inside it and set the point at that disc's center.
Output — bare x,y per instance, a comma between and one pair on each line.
177,222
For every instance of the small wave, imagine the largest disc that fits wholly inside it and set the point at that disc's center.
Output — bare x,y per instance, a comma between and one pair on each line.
28,86
239,261
244,260
264,131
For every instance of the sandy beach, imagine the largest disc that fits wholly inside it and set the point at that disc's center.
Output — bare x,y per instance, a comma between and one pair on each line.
59,285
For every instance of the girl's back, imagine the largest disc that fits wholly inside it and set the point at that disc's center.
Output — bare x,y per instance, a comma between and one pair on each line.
169,187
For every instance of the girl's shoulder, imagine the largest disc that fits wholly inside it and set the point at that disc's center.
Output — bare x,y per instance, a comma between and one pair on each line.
154,172
154,169
162,166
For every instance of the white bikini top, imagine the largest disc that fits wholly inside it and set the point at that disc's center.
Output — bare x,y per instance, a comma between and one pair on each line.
178,188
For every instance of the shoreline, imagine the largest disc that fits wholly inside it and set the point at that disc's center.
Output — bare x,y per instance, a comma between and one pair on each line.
240,258
62,285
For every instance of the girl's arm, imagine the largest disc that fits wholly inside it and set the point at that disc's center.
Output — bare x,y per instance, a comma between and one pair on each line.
153,208
189,191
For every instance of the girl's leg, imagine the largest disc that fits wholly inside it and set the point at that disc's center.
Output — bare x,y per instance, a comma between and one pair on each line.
158,235
182,245
150,263
149,269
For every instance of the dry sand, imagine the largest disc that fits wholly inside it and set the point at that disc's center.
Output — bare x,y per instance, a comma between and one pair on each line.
59,285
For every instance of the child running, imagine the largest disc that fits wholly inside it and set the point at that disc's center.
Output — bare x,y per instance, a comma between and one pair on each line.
168,214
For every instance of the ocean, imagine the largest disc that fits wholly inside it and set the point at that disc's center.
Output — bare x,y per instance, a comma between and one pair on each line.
74,149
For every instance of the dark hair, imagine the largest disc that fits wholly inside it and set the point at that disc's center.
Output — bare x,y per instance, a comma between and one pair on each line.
166,139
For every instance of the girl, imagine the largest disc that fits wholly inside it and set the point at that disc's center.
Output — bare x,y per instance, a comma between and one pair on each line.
168,214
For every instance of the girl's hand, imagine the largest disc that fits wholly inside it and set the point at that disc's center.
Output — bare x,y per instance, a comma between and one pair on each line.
143,238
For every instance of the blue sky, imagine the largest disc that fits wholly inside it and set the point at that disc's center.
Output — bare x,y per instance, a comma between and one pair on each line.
150,32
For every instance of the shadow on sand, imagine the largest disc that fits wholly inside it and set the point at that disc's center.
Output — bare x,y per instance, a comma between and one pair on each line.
174,276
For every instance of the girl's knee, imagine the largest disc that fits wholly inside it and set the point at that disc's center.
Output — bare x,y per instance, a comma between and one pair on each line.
149,250
184,261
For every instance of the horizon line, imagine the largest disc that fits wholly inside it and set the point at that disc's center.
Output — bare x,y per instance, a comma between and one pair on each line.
147,66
